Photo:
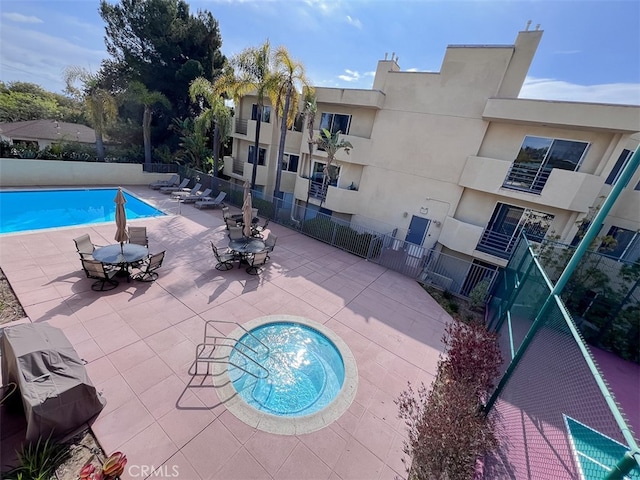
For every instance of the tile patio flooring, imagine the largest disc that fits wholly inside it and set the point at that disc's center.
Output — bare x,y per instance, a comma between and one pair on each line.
139,341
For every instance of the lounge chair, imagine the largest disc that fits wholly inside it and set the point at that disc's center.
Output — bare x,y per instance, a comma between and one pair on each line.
211,202
100,272
225,260
138,235
257,263
85,246
198,196
179,188
186,193
157,185
148,268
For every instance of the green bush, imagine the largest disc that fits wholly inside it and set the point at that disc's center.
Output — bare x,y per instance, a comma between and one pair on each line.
478,294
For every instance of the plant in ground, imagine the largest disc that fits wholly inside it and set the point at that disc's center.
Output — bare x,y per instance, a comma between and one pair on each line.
111,469
38,461
448,432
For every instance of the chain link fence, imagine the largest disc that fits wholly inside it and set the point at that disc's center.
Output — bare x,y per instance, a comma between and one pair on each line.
558,418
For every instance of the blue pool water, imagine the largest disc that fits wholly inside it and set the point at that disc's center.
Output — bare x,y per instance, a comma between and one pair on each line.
305,369
40,209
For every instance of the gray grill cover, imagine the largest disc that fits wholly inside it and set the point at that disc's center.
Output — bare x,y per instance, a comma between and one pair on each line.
56,391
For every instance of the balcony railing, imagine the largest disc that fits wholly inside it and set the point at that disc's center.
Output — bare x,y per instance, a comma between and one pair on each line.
498,244
526,178
238,166
241,126
316,190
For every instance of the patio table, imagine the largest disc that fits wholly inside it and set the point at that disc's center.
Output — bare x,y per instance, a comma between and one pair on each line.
121,255
246,246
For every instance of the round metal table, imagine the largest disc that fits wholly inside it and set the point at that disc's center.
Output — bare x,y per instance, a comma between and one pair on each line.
245,247
121,255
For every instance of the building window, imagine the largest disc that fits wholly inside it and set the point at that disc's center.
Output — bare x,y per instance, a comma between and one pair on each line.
622,244
507,223
622,161
290,162
262,153
538,156
266,113
298,123
335,122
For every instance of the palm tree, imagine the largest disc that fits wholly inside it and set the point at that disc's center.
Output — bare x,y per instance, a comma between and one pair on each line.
290,74
216,115
250,71
100,103
310,109
139,94
331,144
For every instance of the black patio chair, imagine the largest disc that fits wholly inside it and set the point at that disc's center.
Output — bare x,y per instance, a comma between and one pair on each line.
225,260
257,263
258,230
148,268
100,272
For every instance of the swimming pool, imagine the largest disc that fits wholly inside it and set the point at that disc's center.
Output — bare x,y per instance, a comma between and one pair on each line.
286,369
24,210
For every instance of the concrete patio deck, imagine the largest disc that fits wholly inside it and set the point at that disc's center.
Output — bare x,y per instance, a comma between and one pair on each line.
139,341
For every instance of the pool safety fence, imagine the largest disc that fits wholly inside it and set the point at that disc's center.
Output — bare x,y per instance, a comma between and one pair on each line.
558,417
366,238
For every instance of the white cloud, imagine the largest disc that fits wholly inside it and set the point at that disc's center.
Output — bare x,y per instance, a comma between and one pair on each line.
40,58
351,76
552,89
19,18
354,21
370,74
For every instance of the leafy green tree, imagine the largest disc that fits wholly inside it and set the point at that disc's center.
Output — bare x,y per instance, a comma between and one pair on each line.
162,45
216,115
331,144
289,76
20,101
250,71
193,151
100,103
139,94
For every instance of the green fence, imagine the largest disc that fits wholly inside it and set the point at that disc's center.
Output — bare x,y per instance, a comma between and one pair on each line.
558,417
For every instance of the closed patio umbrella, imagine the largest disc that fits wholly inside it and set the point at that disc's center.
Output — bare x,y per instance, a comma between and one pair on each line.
247,215
121,219
247,190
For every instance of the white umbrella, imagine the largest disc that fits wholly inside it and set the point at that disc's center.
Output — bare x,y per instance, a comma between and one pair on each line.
247,190
121,219
247,215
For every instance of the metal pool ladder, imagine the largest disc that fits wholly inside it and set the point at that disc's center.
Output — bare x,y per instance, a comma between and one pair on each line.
217,348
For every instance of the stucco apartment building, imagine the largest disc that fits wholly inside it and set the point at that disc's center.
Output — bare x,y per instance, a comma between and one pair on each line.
454,160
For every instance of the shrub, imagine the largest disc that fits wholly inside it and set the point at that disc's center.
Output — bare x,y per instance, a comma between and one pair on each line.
447,431
478,294
39,461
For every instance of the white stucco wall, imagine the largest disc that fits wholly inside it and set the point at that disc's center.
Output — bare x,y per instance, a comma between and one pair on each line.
19,172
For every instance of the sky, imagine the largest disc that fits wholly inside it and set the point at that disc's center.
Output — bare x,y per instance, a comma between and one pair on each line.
589,52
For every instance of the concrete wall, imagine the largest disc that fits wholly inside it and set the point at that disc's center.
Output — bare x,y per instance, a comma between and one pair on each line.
20,172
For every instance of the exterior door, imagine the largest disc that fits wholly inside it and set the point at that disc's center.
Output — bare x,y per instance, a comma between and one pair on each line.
417,230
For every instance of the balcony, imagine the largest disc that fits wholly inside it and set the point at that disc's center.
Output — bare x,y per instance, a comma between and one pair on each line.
351,97
340,200
246,130
360,154
565,189
460,236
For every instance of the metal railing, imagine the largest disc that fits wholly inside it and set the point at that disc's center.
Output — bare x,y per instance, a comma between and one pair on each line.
241,126
238,166
497,244
160,168
530,179
558,418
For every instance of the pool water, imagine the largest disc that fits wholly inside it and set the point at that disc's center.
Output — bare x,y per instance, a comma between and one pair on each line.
305,369
41,209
